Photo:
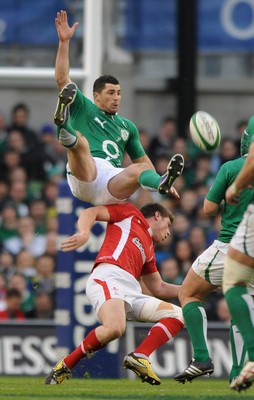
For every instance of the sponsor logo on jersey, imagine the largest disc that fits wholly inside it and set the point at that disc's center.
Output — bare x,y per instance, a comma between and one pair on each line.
137,243
124,134
100,122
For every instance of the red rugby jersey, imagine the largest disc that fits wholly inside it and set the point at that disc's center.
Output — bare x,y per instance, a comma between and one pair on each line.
128,242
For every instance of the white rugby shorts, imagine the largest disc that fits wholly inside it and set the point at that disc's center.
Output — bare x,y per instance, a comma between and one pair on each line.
108,281
95,192
243,239
210,264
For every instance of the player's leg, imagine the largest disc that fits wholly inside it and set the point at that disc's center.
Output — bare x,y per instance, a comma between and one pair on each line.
80,161
124,184
238,351
140,174
194,289
169,322
113,320
239,270
238,273
111,313
238,348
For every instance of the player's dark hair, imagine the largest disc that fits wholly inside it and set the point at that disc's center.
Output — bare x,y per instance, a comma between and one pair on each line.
149,210
100,82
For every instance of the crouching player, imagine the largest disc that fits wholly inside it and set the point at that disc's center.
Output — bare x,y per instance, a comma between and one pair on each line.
125,284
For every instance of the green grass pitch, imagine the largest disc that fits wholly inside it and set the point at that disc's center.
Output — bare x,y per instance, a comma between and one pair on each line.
29,388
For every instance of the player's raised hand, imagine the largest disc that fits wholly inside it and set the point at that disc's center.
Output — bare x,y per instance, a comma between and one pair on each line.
64,31
74,242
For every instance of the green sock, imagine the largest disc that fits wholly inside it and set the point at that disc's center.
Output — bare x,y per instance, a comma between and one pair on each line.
237,349
66,135
241,307
149,179
196,323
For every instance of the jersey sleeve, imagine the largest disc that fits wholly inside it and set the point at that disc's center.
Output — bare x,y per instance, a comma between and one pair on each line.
119,212
134,147
251,137
216,193
149,267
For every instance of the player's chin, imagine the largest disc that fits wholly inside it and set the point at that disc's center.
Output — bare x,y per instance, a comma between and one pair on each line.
114,109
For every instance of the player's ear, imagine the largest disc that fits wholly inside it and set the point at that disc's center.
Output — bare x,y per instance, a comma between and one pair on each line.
95,95
157,215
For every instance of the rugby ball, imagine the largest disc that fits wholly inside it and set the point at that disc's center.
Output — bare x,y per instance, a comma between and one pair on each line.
205,131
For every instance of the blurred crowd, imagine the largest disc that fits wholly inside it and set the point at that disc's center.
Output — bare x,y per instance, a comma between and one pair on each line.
32,164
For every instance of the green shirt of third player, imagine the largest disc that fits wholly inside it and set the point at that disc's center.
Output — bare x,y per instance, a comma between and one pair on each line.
231,215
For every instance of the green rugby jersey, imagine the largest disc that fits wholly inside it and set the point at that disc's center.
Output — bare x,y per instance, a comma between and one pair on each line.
251,136
231,215
109,136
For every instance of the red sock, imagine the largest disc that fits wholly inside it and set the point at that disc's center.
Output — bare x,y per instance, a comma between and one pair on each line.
89,345
159,334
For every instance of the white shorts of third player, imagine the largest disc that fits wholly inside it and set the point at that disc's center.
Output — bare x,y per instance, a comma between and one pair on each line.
243,239
210,264
108,281
95,192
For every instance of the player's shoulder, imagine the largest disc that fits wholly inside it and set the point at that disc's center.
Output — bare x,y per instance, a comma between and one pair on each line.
130,124
233,164
122,208
80,96
126,210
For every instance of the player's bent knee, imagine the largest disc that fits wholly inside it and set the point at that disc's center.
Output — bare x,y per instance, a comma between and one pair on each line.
151,311
175,312
235,273
82,142
137,168
183,295
115,332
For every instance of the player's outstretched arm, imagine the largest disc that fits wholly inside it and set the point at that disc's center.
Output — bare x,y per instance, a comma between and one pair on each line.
85,223
153,284
65,33
75,241
210,208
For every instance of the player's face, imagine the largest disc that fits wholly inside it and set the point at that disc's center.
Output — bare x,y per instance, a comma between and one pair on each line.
161,229
109,98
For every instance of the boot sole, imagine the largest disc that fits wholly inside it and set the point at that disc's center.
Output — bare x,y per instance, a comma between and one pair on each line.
65,98
174,170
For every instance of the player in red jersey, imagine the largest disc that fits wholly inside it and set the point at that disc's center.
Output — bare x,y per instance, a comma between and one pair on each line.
122,284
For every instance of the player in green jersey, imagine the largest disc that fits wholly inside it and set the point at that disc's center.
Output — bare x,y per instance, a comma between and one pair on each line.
239,267
97,137
206,273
